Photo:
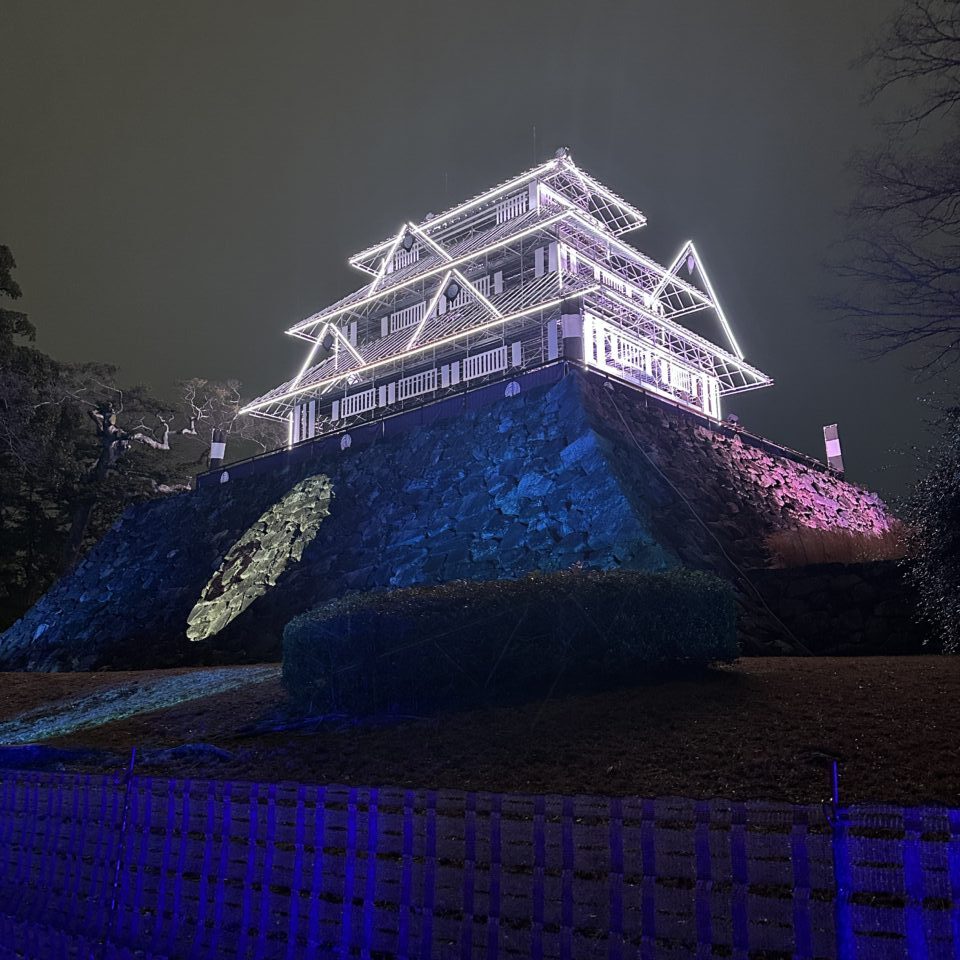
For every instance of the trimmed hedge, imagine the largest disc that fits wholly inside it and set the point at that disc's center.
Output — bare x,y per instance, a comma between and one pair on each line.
466,643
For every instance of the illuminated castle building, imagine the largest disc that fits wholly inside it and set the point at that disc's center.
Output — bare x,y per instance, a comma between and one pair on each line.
531,273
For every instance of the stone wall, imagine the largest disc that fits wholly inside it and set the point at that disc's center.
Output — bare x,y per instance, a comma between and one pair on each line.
584,472
718,492
857,609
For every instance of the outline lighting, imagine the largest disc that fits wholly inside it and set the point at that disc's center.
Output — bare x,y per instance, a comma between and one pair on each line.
585,219
467,205
546,305
466,258
386,260
688,249
429,311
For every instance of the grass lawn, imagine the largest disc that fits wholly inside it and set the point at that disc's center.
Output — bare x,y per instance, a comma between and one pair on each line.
761,728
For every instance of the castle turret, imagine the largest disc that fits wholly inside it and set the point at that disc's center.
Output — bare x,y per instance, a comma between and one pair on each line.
532,272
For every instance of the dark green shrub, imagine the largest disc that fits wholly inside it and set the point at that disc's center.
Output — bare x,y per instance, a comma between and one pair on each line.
465,643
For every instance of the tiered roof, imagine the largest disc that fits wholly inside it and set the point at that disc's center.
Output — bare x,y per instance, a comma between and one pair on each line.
571,206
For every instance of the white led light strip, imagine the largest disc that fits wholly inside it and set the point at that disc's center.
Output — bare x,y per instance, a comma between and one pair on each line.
464,207
337,332
426,275
688,335
461,279
638,294
546,305
428,313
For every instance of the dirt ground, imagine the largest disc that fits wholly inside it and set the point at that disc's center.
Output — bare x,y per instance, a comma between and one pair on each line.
760,728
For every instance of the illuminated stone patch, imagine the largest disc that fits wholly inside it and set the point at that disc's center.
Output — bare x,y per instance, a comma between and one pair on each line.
126,699
255,562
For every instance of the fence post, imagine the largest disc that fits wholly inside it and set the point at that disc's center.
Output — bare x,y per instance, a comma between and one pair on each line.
953,869
843,922
913,882
111,915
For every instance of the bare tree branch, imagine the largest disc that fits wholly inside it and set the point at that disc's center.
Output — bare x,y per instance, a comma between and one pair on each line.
900,260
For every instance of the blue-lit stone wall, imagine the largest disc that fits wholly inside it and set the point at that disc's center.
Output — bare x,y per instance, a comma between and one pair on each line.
540,481
520,485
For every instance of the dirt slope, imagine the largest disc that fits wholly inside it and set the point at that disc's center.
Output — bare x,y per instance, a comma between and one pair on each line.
762,728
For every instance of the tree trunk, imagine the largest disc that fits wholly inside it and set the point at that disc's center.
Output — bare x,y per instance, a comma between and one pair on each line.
80,521
78,532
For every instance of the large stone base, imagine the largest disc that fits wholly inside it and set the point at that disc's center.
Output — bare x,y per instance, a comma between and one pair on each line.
587,471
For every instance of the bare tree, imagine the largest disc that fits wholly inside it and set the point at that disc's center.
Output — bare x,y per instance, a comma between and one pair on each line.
122,427
62,483
113,442
901,258
216,404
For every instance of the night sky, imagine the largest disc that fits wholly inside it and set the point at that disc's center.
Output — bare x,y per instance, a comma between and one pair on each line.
179,182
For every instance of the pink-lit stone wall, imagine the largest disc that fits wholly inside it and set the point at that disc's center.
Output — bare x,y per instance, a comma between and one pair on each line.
804,495
689,476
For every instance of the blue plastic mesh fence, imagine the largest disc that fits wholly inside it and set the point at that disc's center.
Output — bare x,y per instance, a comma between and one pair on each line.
202,869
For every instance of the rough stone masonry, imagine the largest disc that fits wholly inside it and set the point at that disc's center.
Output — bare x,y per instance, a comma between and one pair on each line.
587,471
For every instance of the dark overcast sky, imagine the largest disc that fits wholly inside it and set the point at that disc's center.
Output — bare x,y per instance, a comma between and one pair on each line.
181,181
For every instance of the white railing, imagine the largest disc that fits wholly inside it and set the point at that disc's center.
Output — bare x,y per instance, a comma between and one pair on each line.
630,354
480,364
358,403
419,383
511,207
682,379
611,280
404,258
636,361
466,294
407,317
427,381
609,348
